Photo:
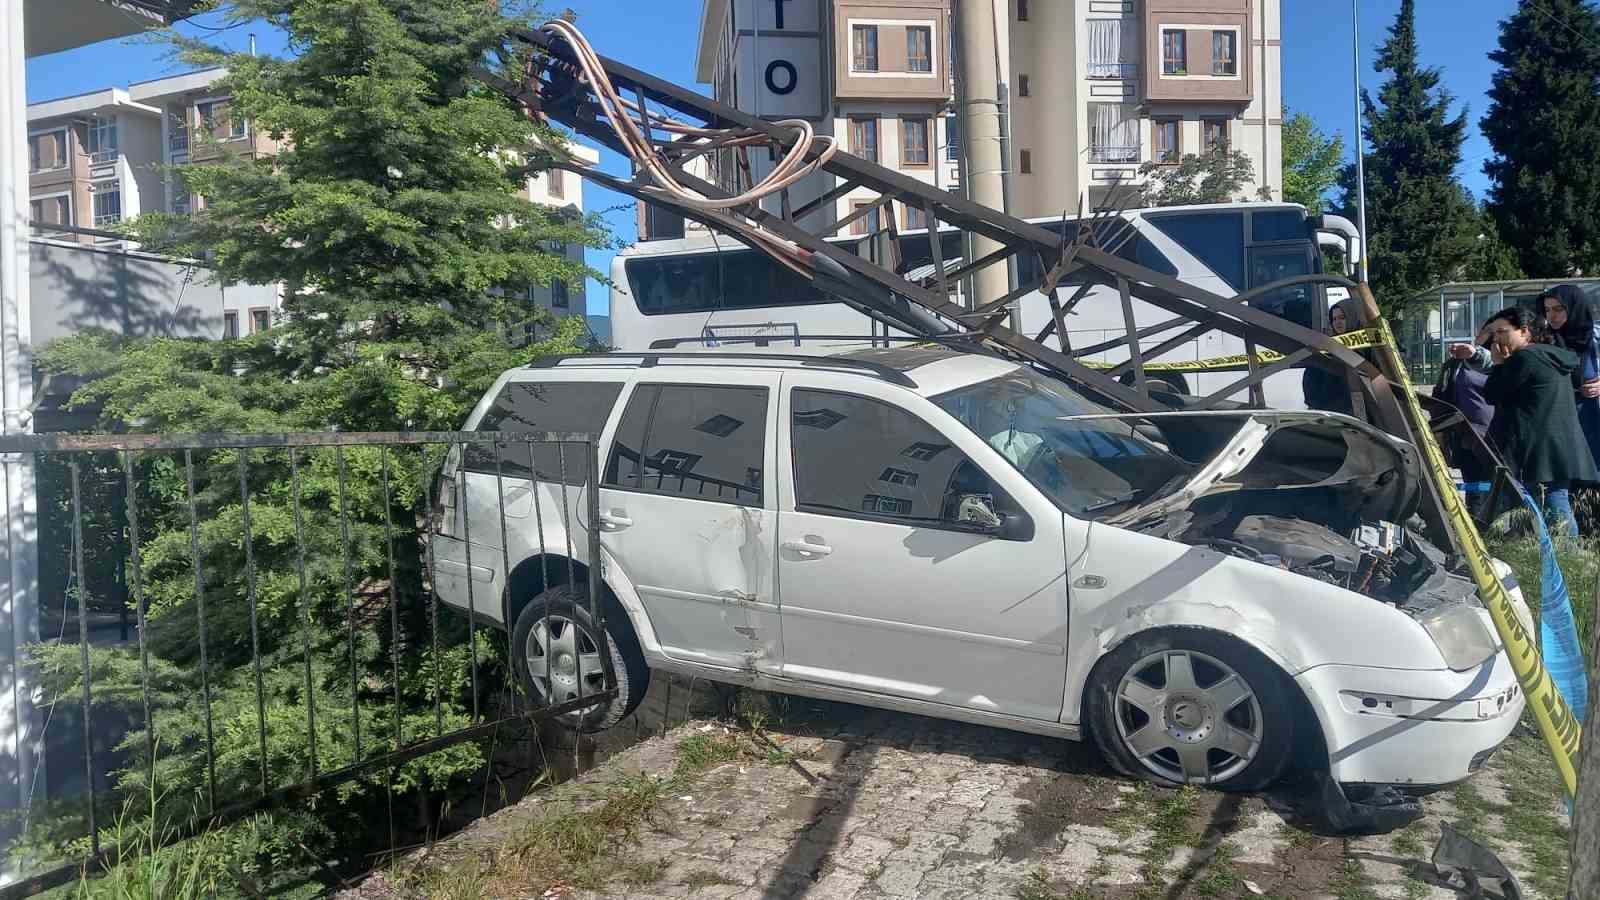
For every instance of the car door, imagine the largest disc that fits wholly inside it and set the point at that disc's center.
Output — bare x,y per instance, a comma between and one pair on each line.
483,498
686,511
881,589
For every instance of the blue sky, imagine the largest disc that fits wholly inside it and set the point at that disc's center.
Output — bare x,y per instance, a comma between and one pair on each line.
659,36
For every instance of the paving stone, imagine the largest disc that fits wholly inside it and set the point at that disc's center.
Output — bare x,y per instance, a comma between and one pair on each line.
900,879
837,885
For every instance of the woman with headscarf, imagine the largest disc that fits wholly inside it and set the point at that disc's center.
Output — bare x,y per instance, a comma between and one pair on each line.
1535,422
1461,381
1327,390
1575,318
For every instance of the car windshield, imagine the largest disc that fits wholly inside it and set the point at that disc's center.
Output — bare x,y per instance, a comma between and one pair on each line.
1088,468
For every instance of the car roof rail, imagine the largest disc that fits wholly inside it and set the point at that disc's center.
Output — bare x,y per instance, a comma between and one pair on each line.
768,340
651,358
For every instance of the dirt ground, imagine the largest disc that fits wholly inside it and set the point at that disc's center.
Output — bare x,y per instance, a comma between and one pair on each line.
826,800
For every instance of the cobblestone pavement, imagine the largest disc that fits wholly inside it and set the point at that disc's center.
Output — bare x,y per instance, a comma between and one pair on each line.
852,803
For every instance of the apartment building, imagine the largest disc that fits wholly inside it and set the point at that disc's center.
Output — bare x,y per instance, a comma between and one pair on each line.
90,159
98,158
1091,91
874,74
1098,88
197,126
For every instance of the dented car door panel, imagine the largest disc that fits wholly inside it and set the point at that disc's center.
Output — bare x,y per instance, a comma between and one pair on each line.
685,511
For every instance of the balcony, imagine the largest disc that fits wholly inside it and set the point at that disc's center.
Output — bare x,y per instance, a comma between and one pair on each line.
1113,153
103,157
1111,70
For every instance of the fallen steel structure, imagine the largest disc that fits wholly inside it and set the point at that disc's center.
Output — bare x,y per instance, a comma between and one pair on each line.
878,286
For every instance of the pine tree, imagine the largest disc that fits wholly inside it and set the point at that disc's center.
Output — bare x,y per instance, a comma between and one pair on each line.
393,218
1544,125
1422,224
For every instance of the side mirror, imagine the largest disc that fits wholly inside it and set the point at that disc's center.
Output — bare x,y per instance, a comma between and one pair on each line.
976,512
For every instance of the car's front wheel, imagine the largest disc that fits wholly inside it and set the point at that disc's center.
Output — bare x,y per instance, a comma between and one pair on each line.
556,648
1189,706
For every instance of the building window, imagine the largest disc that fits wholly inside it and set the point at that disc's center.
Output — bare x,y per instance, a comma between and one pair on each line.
866,224
952,138
914,141
556,183
1174,51
260,320
55,210
218,119
107,202
1168,141
1109,50
1224,53
1023,86
864,138
230,326
919,48
48,151
1025,162
916,217
863,48
103,139
558,294
1113,133
1214,135
177,133
1022,10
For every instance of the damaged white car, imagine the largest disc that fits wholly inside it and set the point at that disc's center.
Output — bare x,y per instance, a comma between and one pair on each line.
1213,597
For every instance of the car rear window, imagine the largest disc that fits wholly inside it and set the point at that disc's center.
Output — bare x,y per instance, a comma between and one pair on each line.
540,406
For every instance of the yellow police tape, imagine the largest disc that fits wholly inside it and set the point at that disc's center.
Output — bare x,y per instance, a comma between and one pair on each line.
1354,340
1558,727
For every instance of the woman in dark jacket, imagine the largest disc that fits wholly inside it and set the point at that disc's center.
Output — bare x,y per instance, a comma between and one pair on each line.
1572,314
1461,381
1535,421
1326,390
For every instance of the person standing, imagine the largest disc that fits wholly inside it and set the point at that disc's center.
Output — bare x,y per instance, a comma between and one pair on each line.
1572,315
1535,422
1461,381
1327,390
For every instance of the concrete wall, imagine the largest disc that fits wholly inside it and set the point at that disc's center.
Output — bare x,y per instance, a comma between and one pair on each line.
76,288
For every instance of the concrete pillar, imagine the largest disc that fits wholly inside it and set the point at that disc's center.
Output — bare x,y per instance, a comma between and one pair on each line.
980,131
19,560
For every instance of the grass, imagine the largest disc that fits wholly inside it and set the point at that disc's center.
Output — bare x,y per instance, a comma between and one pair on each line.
570,846
1171,824
642,872
699,752
1534,790
1350,882
1037,886
1580,566
704,878
1221,879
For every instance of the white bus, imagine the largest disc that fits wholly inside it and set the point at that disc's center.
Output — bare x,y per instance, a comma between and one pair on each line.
719,293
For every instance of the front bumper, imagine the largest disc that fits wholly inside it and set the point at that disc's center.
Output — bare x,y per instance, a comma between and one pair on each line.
1410,727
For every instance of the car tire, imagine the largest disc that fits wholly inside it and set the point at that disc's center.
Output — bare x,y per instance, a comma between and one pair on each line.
559,618
1223,714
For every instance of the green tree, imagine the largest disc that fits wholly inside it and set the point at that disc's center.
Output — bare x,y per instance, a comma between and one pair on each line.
1311,161
1544,125
1492,258
1217,177
1422,224
392,217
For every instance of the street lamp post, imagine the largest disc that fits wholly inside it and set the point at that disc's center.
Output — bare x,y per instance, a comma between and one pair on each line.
1361,167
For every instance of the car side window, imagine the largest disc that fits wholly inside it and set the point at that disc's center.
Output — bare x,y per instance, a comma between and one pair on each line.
541,406
702,442
863,458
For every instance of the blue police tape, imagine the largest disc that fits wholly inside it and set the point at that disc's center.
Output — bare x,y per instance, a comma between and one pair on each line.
1558,632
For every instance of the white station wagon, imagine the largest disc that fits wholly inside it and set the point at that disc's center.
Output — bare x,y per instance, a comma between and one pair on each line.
1211,596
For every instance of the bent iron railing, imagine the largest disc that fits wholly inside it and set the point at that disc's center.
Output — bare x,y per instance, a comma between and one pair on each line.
284,570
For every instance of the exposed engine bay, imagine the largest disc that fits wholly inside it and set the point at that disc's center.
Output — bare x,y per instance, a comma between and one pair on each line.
1314,494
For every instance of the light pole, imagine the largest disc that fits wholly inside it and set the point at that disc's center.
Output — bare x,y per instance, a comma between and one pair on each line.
1361,166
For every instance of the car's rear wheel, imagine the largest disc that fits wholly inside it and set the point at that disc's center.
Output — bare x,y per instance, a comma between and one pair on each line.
1189,706
556,651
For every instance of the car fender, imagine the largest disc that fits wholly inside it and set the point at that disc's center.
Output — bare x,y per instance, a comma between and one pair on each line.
627,595
1126,583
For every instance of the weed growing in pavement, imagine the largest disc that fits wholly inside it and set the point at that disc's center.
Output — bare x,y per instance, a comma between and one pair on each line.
1350,882
704,878
701,751
1221,879
1408,840
1037,886
642,872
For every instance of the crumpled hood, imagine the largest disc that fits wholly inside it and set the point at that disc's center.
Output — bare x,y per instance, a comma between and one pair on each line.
1293,451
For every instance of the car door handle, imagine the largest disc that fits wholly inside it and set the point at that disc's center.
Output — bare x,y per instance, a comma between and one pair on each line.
807,548
614,521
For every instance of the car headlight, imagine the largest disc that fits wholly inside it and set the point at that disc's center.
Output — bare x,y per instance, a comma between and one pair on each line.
1458,631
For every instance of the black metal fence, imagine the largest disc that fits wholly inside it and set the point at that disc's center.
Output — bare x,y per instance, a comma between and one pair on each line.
289,637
